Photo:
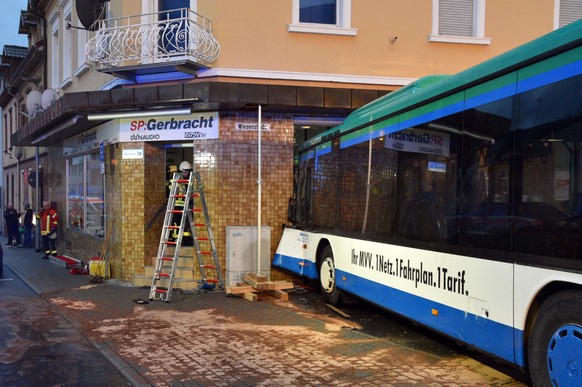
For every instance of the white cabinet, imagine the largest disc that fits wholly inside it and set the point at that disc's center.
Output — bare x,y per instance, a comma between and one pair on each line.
241,252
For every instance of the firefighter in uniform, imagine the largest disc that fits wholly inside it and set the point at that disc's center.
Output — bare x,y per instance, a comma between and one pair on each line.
49,220
185,169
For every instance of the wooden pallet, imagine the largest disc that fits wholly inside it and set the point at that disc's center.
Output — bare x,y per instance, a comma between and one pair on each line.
255,284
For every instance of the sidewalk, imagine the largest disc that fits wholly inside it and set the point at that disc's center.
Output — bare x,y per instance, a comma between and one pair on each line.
207,338
46,278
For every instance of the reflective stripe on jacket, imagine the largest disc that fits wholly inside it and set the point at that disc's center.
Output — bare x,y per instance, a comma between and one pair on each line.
49,219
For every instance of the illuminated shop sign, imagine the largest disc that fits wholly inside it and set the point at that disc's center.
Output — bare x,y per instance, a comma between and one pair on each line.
200,126
91,139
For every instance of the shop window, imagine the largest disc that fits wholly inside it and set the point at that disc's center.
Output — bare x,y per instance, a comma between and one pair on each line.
85,201
322,17
459,21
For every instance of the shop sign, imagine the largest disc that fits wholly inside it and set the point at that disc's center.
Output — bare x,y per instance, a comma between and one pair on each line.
132,154
199,126
91,139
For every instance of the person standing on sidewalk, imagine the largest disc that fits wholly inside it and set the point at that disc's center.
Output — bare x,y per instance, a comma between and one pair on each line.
49,220
11,217
27,223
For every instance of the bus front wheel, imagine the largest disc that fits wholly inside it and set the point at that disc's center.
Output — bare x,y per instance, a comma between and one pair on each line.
555,345
327,278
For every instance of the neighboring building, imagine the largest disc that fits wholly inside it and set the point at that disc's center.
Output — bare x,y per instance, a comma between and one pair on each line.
116,127
19,72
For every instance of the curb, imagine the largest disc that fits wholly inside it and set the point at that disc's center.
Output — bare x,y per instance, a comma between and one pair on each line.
23,278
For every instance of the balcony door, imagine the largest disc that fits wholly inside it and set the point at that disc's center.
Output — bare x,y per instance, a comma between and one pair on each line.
174,31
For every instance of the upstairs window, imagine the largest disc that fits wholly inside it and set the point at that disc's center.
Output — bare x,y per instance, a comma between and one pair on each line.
318,11
322,17
567,11
55,51
67,46
459,21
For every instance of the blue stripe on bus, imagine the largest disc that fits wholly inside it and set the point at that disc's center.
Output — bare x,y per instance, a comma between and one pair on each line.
300,266
549,77
489,336
521,86
368,136
323,151
491,96
433,115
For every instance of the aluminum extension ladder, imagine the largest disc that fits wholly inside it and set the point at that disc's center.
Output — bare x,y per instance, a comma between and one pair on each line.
185,203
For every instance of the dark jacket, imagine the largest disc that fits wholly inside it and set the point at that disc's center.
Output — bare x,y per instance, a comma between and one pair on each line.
28,214
11,217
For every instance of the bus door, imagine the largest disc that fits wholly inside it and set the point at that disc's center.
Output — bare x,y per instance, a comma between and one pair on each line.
421,217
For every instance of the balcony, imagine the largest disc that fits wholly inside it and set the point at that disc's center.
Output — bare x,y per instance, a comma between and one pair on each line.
176,40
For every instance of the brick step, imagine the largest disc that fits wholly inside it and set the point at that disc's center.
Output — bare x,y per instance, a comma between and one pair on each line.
185,272
186,251
183,261
141,280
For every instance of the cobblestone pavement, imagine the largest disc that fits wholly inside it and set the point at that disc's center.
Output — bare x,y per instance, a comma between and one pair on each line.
211,339
38,347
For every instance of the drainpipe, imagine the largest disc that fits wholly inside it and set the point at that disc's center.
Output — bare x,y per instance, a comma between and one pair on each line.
33,8
259,195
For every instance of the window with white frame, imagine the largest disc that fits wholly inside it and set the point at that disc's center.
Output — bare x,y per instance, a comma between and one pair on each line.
6,138
566,12
86,195
67,46
55,50
82,65
322,17
10,128
459,21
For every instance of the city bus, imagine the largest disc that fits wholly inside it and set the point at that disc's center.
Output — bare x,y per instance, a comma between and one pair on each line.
456,202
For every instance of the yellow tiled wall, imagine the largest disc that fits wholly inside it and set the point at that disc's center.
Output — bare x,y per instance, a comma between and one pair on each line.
136,193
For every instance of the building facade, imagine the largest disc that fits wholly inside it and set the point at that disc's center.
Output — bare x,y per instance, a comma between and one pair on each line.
144,85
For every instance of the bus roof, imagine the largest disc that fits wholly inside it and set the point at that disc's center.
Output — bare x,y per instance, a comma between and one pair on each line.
430,88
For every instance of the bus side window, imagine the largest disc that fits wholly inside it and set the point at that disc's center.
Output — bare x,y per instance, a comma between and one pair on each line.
422,217
304,196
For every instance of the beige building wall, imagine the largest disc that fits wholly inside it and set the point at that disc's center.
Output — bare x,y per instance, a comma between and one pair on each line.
391,41
68,69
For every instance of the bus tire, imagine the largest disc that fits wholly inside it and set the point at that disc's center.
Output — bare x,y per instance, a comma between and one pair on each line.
327,280
555,345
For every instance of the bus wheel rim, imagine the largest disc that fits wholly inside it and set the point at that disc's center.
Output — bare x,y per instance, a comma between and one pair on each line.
565,356
327,275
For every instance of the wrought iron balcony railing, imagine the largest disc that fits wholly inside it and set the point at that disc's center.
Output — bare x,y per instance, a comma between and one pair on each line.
153,38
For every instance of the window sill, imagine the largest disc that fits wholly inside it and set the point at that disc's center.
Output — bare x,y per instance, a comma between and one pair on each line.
66,82
459,39
322,29
82,69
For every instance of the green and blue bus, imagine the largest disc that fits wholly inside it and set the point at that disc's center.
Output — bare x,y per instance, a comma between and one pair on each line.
456,202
